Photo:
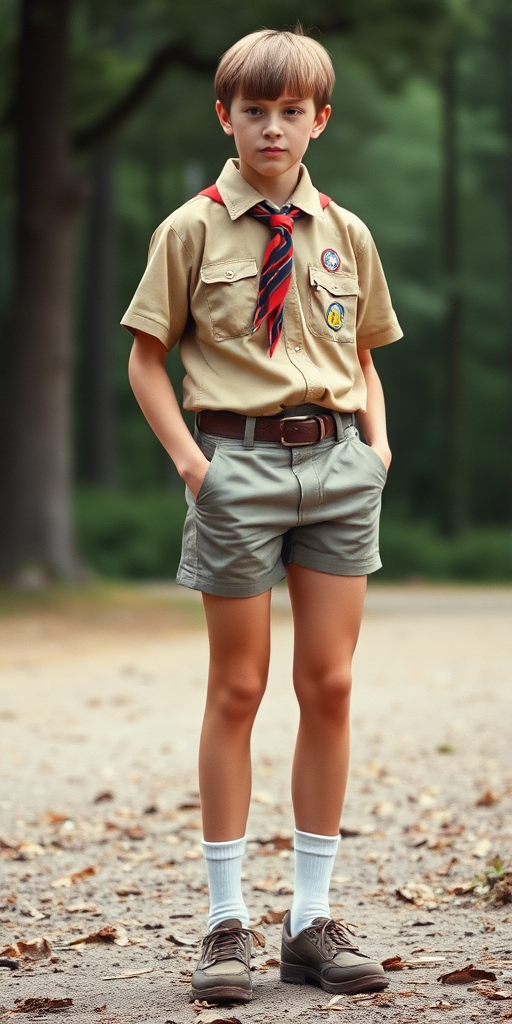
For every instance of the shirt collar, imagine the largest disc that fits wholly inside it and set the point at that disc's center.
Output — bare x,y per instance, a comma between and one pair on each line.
239,196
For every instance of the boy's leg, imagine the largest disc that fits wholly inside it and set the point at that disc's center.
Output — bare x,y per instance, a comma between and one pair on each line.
239,635
327,614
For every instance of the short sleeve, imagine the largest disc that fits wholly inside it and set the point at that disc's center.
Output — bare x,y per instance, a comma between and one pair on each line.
160,305
376,319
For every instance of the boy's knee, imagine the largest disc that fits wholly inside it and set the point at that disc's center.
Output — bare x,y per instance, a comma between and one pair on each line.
238,699
327,693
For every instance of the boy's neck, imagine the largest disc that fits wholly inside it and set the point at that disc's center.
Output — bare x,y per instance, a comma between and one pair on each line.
276,189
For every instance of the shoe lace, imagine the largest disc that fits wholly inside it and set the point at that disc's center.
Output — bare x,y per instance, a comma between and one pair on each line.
229,943
337,936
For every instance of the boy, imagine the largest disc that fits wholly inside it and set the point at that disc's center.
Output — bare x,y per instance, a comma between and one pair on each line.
275,296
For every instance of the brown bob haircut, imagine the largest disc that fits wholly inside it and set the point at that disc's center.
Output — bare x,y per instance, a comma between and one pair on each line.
265,65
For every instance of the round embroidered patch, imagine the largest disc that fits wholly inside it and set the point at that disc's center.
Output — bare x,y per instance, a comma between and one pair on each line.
330,260
335,316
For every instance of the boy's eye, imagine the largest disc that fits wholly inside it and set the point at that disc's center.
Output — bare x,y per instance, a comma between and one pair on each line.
253,110
293,111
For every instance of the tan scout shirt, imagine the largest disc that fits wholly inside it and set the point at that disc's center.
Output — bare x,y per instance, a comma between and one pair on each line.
200,289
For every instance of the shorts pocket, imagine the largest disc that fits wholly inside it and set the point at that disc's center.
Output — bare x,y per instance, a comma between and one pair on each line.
375,458
231,294
332,305
206,486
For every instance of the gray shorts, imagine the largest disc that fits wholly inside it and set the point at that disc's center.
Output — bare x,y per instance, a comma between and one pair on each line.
261,508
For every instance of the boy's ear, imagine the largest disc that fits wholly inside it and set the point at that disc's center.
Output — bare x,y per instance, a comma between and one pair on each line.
320,121
224,118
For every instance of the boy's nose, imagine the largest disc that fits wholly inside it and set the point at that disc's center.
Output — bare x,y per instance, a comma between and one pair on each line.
273,130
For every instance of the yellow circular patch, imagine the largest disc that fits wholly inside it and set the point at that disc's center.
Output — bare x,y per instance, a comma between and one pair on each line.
335,316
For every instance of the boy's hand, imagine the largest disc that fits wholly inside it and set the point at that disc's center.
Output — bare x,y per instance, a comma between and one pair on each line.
194,475
384,453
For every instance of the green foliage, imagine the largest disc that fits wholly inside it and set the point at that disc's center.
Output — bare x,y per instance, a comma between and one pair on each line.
130,536
411,550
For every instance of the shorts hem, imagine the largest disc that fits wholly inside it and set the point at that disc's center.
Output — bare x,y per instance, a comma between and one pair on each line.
334,566
228,588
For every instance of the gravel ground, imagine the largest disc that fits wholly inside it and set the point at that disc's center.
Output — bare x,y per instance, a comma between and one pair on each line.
100,826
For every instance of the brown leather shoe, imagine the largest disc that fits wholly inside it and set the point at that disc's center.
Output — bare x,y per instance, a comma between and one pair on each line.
223,973
326,955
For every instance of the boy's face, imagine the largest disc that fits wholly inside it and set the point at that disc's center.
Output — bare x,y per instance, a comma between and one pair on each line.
271,136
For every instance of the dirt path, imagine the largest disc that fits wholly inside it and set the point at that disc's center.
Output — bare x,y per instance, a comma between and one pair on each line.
99,732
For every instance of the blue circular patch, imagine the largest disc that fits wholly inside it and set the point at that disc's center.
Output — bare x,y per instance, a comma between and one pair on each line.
330,260
335,316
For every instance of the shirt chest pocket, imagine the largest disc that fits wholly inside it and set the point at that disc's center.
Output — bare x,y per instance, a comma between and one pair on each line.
332,306
231,292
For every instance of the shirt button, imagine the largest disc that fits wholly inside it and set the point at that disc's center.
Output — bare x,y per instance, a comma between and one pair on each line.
297,348
230,274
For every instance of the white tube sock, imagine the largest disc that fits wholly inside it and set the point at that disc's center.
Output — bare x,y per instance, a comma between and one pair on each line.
314,861
224,866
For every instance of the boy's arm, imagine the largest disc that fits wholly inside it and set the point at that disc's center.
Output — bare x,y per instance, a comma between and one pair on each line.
155,395
373,421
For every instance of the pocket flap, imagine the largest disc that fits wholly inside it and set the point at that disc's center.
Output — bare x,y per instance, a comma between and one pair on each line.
336,284
228,271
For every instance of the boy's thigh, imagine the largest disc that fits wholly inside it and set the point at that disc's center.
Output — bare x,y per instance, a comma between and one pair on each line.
233,533
341,536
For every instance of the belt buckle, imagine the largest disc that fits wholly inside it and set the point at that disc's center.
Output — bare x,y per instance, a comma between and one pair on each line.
301,444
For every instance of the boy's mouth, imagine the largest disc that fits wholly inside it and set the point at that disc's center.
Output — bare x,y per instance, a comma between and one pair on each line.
272,149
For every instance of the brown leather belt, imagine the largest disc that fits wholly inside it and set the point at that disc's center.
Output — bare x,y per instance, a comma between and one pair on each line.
292,431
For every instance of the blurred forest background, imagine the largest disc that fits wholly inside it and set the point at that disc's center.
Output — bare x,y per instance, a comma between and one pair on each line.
108,125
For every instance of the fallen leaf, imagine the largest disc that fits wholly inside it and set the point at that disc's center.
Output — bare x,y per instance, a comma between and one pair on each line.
106,794
190,805
29,911
180,942
34,949
459,888
109,933
393,963
441,1005
129,974
41,1004
7,961
99,1009
28,849
487,799
264,966
75,876
492,993
129,890
464,975
418,893
277,842
80,907
334,1000
270,917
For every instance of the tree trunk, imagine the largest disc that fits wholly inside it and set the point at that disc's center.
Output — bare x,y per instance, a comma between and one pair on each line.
37,520
455,511
98,444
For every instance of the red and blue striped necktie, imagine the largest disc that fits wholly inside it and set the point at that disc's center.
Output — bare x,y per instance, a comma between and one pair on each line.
276,270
